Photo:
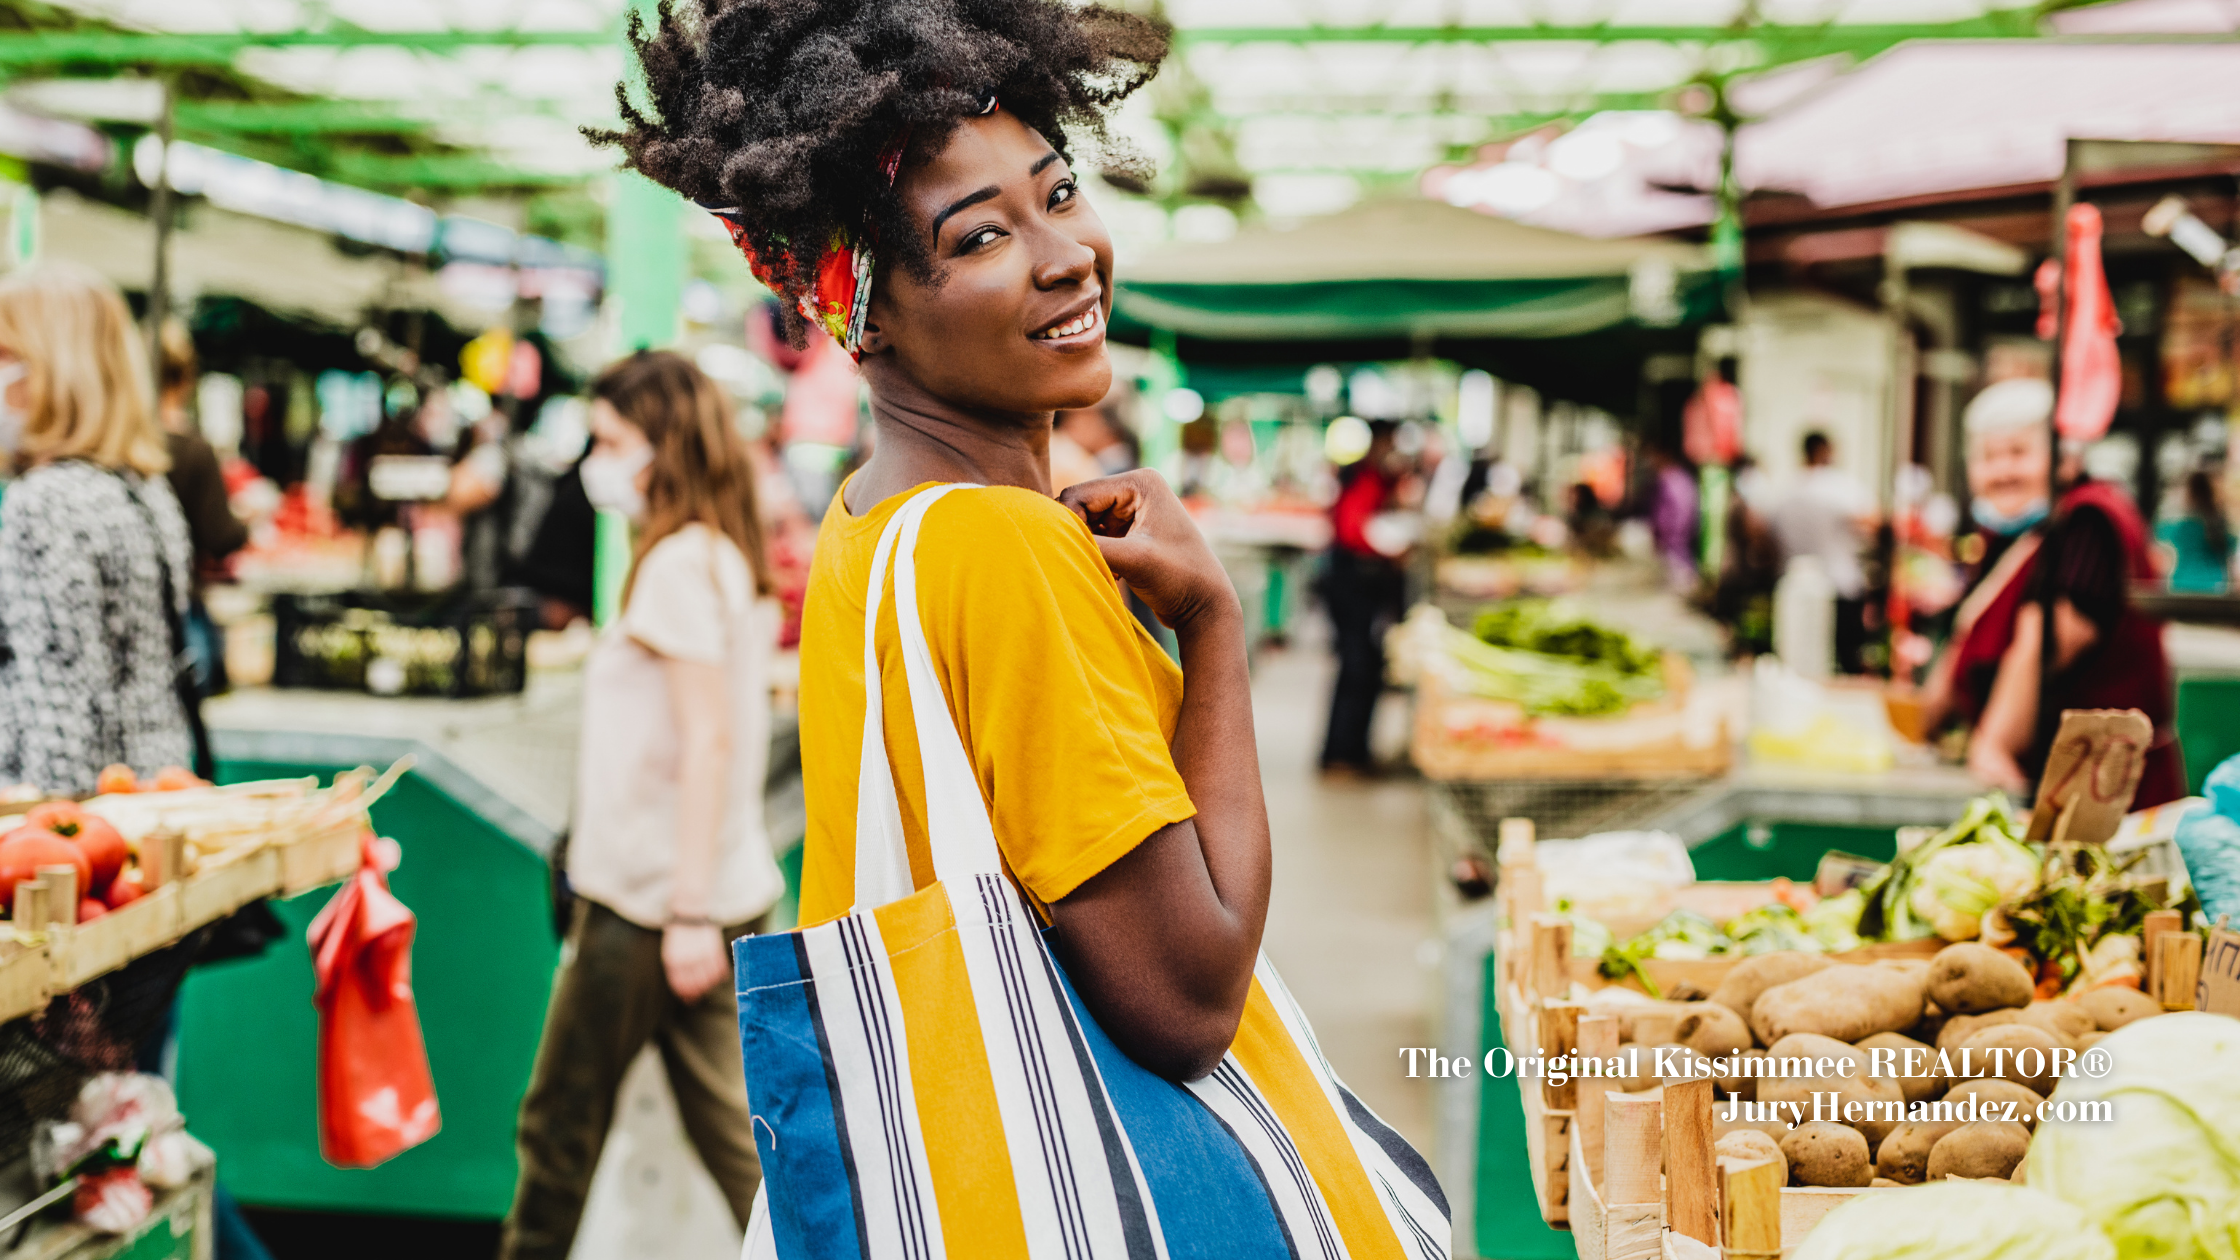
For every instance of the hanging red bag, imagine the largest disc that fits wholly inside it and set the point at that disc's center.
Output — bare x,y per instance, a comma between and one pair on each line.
376,1099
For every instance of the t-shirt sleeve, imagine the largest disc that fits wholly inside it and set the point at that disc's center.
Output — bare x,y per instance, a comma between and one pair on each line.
1049,681
676,606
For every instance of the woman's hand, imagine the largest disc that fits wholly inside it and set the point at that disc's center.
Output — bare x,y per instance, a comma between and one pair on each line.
1152,544
694,959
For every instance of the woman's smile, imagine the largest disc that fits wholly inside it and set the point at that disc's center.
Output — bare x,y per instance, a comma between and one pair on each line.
1078,330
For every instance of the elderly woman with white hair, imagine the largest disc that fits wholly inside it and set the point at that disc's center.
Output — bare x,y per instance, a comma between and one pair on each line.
2048,623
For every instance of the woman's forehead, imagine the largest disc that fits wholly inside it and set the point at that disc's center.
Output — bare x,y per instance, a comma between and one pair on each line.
996,151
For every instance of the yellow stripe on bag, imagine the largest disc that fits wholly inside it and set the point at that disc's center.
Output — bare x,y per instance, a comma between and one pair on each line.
1265,1048
956,1097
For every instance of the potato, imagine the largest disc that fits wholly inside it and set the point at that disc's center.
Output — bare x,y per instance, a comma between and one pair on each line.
1682,1058
1752,1145
1845,1002
1858,1087
1987,1148
2019,1165
1884,1183
1961,1027
1903,1156
1824,1154
1916,1088
1933,1020
1759,972
1773,1129
1712,1029
2064,1019
1644,1059
2113,1006
1997,1093
1971,978
2029,1057
2088,1041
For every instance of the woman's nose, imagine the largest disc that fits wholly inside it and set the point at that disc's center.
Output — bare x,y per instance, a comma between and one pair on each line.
1062,260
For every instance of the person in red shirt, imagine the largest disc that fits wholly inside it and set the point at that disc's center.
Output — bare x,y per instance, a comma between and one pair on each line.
1363,591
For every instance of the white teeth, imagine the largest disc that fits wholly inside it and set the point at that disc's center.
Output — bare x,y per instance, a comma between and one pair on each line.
1078,324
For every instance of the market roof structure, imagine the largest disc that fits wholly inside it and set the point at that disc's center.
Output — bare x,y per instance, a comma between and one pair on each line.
1305,100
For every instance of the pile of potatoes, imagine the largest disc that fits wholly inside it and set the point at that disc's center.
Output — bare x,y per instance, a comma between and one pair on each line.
1805,1005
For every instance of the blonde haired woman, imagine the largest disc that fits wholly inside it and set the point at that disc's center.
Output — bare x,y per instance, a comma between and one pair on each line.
93,549
667,856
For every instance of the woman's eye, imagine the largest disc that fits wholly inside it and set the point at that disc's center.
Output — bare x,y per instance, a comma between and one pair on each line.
1065,191
978,238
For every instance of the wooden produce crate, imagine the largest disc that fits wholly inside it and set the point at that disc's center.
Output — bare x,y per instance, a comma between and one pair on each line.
1662,752
230,866
1537,983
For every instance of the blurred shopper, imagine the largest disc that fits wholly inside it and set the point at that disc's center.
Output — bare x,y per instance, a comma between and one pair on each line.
2053,581
1364,590
1828,515
667,856
1673,515
1743,599
200,486
2199,542
94,552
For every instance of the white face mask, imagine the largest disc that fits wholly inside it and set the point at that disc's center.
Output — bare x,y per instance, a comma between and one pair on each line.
11,420
611,481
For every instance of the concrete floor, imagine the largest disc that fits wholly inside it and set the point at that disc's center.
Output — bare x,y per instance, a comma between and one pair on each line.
1349,928
1349,922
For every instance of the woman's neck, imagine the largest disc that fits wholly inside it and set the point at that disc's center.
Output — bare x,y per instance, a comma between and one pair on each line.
922,439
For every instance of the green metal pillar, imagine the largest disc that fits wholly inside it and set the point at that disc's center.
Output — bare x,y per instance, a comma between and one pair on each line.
646,250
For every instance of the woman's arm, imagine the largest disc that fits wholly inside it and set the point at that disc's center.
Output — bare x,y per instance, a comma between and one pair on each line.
692,948
2010,717
1162,943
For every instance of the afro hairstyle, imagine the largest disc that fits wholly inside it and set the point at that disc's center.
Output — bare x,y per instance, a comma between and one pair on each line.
782,108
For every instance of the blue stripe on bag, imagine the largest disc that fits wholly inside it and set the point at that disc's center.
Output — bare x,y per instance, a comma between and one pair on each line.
1212,1204
813,1194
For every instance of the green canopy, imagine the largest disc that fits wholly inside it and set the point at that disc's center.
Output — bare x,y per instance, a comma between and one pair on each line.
1405,268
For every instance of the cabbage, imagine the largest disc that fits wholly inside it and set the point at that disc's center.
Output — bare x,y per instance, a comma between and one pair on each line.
1955,1220
2163,1180
1958,885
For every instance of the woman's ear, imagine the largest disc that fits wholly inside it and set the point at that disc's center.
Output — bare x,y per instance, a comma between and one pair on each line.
874,340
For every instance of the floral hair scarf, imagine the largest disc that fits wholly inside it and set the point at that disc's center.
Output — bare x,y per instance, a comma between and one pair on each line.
840,297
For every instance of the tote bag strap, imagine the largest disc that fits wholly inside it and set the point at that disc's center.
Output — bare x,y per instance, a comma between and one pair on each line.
958,831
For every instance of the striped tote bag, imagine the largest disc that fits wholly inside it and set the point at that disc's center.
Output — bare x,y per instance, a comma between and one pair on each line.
925,1082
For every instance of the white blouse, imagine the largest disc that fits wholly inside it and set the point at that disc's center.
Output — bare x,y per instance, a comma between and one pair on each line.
694,599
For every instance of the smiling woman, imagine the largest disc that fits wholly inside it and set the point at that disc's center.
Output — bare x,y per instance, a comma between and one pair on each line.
1029,1015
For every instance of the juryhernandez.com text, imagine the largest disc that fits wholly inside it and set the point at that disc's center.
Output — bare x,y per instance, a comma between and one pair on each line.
1666,1063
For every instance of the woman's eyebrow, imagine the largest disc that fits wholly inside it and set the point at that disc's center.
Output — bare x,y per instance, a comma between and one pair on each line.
963,203
1045,161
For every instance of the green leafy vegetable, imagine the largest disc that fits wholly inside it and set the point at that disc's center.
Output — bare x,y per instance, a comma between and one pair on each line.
1553,629
2162,1180
1581,680
1958,1220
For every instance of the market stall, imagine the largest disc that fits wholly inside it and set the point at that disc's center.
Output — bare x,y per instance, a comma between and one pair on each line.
109,902
2039,938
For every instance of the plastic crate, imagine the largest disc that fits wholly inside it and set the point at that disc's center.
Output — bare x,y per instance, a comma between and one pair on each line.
454,645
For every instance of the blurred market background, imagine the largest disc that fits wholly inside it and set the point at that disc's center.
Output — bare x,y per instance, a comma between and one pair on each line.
1545,254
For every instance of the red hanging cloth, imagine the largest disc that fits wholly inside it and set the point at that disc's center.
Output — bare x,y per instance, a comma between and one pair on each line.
2091,372
376,1098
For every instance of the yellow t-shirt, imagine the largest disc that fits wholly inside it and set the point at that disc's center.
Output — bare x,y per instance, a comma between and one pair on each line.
1065,705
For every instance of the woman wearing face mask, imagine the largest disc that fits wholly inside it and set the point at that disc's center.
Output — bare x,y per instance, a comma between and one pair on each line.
902,174
94,553
2052,578
667,855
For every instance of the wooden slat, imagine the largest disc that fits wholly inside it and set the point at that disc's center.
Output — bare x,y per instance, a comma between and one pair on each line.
116,938
1598,1039
1559,1036
2178,969
1751,1199
1690,1185
1631,1135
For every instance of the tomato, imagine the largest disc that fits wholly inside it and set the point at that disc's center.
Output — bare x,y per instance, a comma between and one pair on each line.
126,890
59,817
26,849
116,778
89,910
105,850
177,778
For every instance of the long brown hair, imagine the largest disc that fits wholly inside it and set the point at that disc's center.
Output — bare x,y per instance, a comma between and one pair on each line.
701,471
86,373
